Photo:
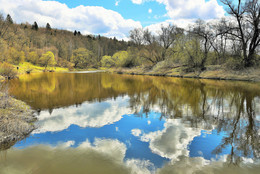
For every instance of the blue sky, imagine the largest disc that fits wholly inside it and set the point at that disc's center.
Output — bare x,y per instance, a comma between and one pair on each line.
129,10
111,18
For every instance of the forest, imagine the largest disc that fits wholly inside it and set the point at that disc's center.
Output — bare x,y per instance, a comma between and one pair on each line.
232,42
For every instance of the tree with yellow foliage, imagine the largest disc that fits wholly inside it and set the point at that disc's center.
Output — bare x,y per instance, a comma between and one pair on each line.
48,59
82,58
107,61
32,57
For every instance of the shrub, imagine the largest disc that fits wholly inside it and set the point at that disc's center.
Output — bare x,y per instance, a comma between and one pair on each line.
234,64
7,70
107,61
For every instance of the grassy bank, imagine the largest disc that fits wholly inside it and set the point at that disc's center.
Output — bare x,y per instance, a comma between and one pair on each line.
212,72
25,68
16,120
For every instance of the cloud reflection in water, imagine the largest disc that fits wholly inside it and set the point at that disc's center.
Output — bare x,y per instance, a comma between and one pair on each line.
88,114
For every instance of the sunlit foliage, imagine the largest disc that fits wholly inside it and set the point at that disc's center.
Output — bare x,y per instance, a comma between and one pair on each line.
47,59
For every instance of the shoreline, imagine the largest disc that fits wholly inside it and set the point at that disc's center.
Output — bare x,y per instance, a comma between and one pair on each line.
248,75
219,74
16,121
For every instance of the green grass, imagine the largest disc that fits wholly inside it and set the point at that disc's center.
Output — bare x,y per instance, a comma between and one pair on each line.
26,66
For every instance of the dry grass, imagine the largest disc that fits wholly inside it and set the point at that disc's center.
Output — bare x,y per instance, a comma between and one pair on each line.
212,72
16,119
7,70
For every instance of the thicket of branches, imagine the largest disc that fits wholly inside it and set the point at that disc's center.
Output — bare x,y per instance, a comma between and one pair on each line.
233,41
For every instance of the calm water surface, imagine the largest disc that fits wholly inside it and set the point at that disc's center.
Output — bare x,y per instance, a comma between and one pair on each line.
109,123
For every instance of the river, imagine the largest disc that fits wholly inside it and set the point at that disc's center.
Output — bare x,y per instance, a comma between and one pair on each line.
111,123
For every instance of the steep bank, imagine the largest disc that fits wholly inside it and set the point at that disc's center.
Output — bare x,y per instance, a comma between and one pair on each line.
212,72
16,121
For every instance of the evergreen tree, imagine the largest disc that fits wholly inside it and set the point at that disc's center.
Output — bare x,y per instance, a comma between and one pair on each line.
75,32
35,26
9,19
48,26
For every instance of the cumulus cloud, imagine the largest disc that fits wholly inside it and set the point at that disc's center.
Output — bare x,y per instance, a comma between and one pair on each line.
87,19
87,115
172,141
150,10
103,156
185,13
190,9
193,9
201,165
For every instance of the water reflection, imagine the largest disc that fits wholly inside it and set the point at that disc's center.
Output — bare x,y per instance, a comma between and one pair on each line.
86,115
165,124
172,141
105,156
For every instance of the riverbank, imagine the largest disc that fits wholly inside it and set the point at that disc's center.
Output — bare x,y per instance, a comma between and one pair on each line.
212,72
16,120
28,68
215,72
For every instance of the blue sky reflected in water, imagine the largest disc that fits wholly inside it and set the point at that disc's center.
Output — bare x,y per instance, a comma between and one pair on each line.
146,136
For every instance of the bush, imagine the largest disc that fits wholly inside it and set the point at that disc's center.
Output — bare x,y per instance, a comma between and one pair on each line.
107,61
234,64
7,70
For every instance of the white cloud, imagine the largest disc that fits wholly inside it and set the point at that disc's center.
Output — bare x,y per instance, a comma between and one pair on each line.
66,144
103,156
87,19
117,2
191,9
183,23
87,115
136,132
172,141
138,1
108,147
150,10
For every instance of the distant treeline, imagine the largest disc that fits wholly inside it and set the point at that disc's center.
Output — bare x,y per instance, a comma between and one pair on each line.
31,43
232,42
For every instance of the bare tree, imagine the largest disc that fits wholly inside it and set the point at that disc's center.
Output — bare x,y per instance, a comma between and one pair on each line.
155,47
247,29
136,36
202,30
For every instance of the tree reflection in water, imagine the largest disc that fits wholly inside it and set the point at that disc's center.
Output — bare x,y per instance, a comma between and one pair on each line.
232,107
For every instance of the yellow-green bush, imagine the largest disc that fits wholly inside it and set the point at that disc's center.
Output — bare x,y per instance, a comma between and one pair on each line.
7,70
47,59
107,61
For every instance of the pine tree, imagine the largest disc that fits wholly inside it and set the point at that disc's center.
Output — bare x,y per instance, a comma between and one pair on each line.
35,26
9,19
48,26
